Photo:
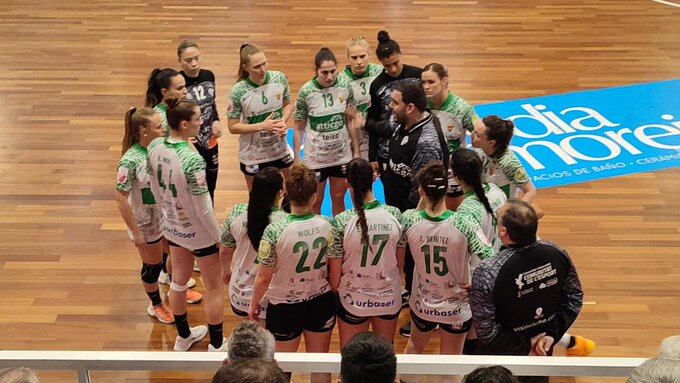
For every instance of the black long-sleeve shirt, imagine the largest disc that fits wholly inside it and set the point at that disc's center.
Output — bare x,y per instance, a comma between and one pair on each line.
409,151
522,292
201,90
379,123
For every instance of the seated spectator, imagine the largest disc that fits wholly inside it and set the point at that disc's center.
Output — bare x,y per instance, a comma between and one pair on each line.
18,375
250,371
491,374
249,341
368,357
664,368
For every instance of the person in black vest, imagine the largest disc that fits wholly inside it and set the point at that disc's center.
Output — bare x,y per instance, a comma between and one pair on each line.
379,122
525,298
417,140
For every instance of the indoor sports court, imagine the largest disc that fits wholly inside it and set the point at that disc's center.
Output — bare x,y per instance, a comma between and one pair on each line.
592,86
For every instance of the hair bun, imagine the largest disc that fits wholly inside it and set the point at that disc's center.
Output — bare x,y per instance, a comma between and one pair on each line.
383,36
172,102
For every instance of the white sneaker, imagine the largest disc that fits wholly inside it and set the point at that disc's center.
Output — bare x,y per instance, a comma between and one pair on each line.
196,268
164,279
223,347
197,333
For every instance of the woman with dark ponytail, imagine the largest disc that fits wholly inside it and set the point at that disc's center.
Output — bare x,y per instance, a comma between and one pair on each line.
442,243
241,235
378,119
500,165
482,201
164,84
137,205
364,266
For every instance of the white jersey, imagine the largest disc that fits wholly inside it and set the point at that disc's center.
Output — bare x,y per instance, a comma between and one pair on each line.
473,206
326,140
133,177
505,171
178,172
244,261
441,248
296,248
252,103
370,284
361,85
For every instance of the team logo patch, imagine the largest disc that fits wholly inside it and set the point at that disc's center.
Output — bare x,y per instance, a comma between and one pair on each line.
278,96
342,99
264,248
122,175
450,128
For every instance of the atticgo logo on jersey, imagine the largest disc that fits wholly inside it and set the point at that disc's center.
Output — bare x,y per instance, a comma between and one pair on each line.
435,312
180,234
591,135
371,304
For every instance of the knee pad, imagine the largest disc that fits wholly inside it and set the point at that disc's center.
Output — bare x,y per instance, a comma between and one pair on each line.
177,287
150,273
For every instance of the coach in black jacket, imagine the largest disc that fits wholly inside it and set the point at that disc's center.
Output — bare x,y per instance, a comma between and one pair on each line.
525,298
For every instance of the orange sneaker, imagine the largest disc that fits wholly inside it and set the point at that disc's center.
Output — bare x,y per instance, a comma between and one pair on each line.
582,346
161,312
194,297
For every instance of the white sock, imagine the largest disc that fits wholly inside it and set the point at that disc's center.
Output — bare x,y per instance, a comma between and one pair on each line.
564,342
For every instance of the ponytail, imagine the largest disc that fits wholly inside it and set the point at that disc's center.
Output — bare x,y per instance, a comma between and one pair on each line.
434,181
135,120
159,79
499,130
301,184
467,167
360,177
245,51
266,185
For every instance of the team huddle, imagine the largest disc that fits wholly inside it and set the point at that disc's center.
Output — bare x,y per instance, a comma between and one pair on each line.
285,265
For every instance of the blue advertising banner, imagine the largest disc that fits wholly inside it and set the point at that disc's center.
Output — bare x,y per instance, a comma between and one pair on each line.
586,136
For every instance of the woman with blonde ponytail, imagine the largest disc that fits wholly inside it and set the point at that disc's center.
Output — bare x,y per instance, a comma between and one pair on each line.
137,204
364,263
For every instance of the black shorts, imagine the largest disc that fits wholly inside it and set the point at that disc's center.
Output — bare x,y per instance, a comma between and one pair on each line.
238,312
337,171
204,252
155,241
281,163
427,326
354,320
287,321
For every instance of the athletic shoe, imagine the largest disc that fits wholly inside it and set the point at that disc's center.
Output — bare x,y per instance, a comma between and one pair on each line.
582,346
164,279
197,333
196,268
405,297
161,312
222,348
194,297
405,330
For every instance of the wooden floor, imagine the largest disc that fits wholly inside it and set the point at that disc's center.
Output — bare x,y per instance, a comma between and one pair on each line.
69,277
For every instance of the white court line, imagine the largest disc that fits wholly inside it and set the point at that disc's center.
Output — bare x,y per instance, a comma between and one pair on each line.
667,3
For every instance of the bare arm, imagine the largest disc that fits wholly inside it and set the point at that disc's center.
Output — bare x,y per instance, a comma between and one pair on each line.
262,280
129,217
335,266
226,254
268,125
353,121
298,132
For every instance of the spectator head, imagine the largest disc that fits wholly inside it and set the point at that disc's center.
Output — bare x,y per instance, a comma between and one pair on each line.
18,375
250,341
491,374
665,368
368,357
517,223
408,102
250,371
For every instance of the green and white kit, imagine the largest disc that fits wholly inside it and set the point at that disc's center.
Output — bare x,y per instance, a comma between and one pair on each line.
243,263
251,104
297,250
133,177
442,247
361,86
326,140
178,175
505,171
370,284
473,206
